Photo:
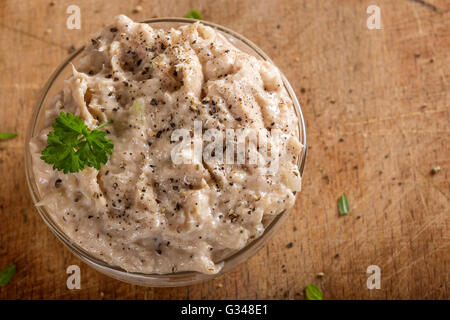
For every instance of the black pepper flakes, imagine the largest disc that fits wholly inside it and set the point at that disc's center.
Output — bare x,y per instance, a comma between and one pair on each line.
58,183
71,49
233,217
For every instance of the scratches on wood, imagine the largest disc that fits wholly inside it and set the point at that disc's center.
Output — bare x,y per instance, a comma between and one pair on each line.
425,4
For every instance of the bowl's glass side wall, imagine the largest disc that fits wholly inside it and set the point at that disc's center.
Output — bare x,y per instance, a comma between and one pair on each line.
38,122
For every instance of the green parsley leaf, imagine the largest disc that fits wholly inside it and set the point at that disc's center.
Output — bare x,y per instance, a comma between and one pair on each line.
343,205
194,14
6,274
71,145
313,292
8,135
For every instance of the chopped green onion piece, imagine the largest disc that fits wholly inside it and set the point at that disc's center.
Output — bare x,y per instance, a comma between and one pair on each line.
343,205
8,135
194,14
6,274
313,292
138,110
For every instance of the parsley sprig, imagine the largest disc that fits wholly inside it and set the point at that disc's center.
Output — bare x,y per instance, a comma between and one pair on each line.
72,146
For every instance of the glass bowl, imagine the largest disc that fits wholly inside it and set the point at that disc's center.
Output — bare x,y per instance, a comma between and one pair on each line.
233,259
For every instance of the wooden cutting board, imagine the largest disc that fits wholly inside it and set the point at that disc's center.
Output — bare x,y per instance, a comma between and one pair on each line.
377,108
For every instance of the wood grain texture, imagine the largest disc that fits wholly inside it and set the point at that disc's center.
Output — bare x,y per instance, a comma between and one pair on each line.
377,108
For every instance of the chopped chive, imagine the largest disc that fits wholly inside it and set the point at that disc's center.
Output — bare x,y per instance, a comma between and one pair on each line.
313,292
8,135
194,14
6,274
343,205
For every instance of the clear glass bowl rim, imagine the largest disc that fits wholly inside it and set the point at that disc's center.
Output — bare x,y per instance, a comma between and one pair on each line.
158,280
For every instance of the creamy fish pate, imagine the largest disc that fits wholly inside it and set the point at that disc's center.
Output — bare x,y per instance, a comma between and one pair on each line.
141,211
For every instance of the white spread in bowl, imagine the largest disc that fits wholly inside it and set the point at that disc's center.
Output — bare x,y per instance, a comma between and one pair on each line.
141,211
